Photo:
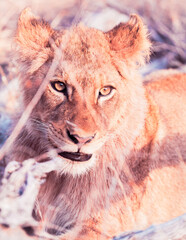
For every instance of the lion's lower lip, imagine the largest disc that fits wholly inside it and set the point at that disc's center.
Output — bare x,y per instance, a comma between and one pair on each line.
76,156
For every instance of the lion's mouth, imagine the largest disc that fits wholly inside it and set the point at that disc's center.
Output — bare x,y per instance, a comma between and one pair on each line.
76,156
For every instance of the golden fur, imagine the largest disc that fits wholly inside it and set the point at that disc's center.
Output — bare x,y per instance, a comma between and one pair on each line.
136,133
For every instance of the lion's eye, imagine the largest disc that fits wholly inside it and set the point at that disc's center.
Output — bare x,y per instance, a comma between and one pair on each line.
58,86
105,91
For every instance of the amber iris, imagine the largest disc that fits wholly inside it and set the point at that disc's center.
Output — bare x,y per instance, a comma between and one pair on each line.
58,86
105,91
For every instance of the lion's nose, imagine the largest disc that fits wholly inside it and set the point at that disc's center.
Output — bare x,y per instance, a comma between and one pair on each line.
75,138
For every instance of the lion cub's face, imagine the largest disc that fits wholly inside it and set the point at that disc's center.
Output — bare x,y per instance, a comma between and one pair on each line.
89,97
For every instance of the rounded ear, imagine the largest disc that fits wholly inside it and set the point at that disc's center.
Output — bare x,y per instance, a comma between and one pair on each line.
130,41
33,39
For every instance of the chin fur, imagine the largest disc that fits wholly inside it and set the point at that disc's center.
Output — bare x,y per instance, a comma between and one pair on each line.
65,166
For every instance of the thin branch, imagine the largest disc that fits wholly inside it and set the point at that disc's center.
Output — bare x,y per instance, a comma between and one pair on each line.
29,108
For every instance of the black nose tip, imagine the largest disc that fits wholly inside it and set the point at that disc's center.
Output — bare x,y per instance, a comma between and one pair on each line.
77,139
72,137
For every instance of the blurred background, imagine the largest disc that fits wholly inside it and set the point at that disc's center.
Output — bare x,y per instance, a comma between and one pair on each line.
166,21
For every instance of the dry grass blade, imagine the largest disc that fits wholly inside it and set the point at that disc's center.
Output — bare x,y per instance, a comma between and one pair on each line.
30,107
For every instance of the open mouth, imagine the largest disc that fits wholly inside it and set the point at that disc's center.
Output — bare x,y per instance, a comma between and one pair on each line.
76,156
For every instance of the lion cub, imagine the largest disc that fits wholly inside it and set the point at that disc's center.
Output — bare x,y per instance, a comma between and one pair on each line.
120,142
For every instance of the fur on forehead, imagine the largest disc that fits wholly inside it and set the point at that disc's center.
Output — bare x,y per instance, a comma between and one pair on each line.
85,46
37,41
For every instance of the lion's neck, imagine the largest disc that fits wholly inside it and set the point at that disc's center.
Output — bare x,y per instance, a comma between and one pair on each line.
151,125
139,159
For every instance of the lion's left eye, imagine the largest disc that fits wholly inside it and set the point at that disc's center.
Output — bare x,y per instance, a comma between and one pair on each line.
58,86
105,91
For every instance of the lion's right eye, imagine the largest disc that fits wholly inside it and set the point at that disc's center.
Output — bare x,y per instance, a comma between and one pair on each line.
58,86
105,91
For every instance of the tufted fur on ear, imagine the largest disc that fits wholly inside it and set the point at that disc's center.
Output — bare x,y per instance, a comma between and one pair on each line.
129,41
33,40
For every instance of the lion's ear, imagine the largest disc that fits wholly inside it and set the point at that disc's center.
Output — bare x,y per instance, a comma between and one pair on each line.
33,37
130,40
